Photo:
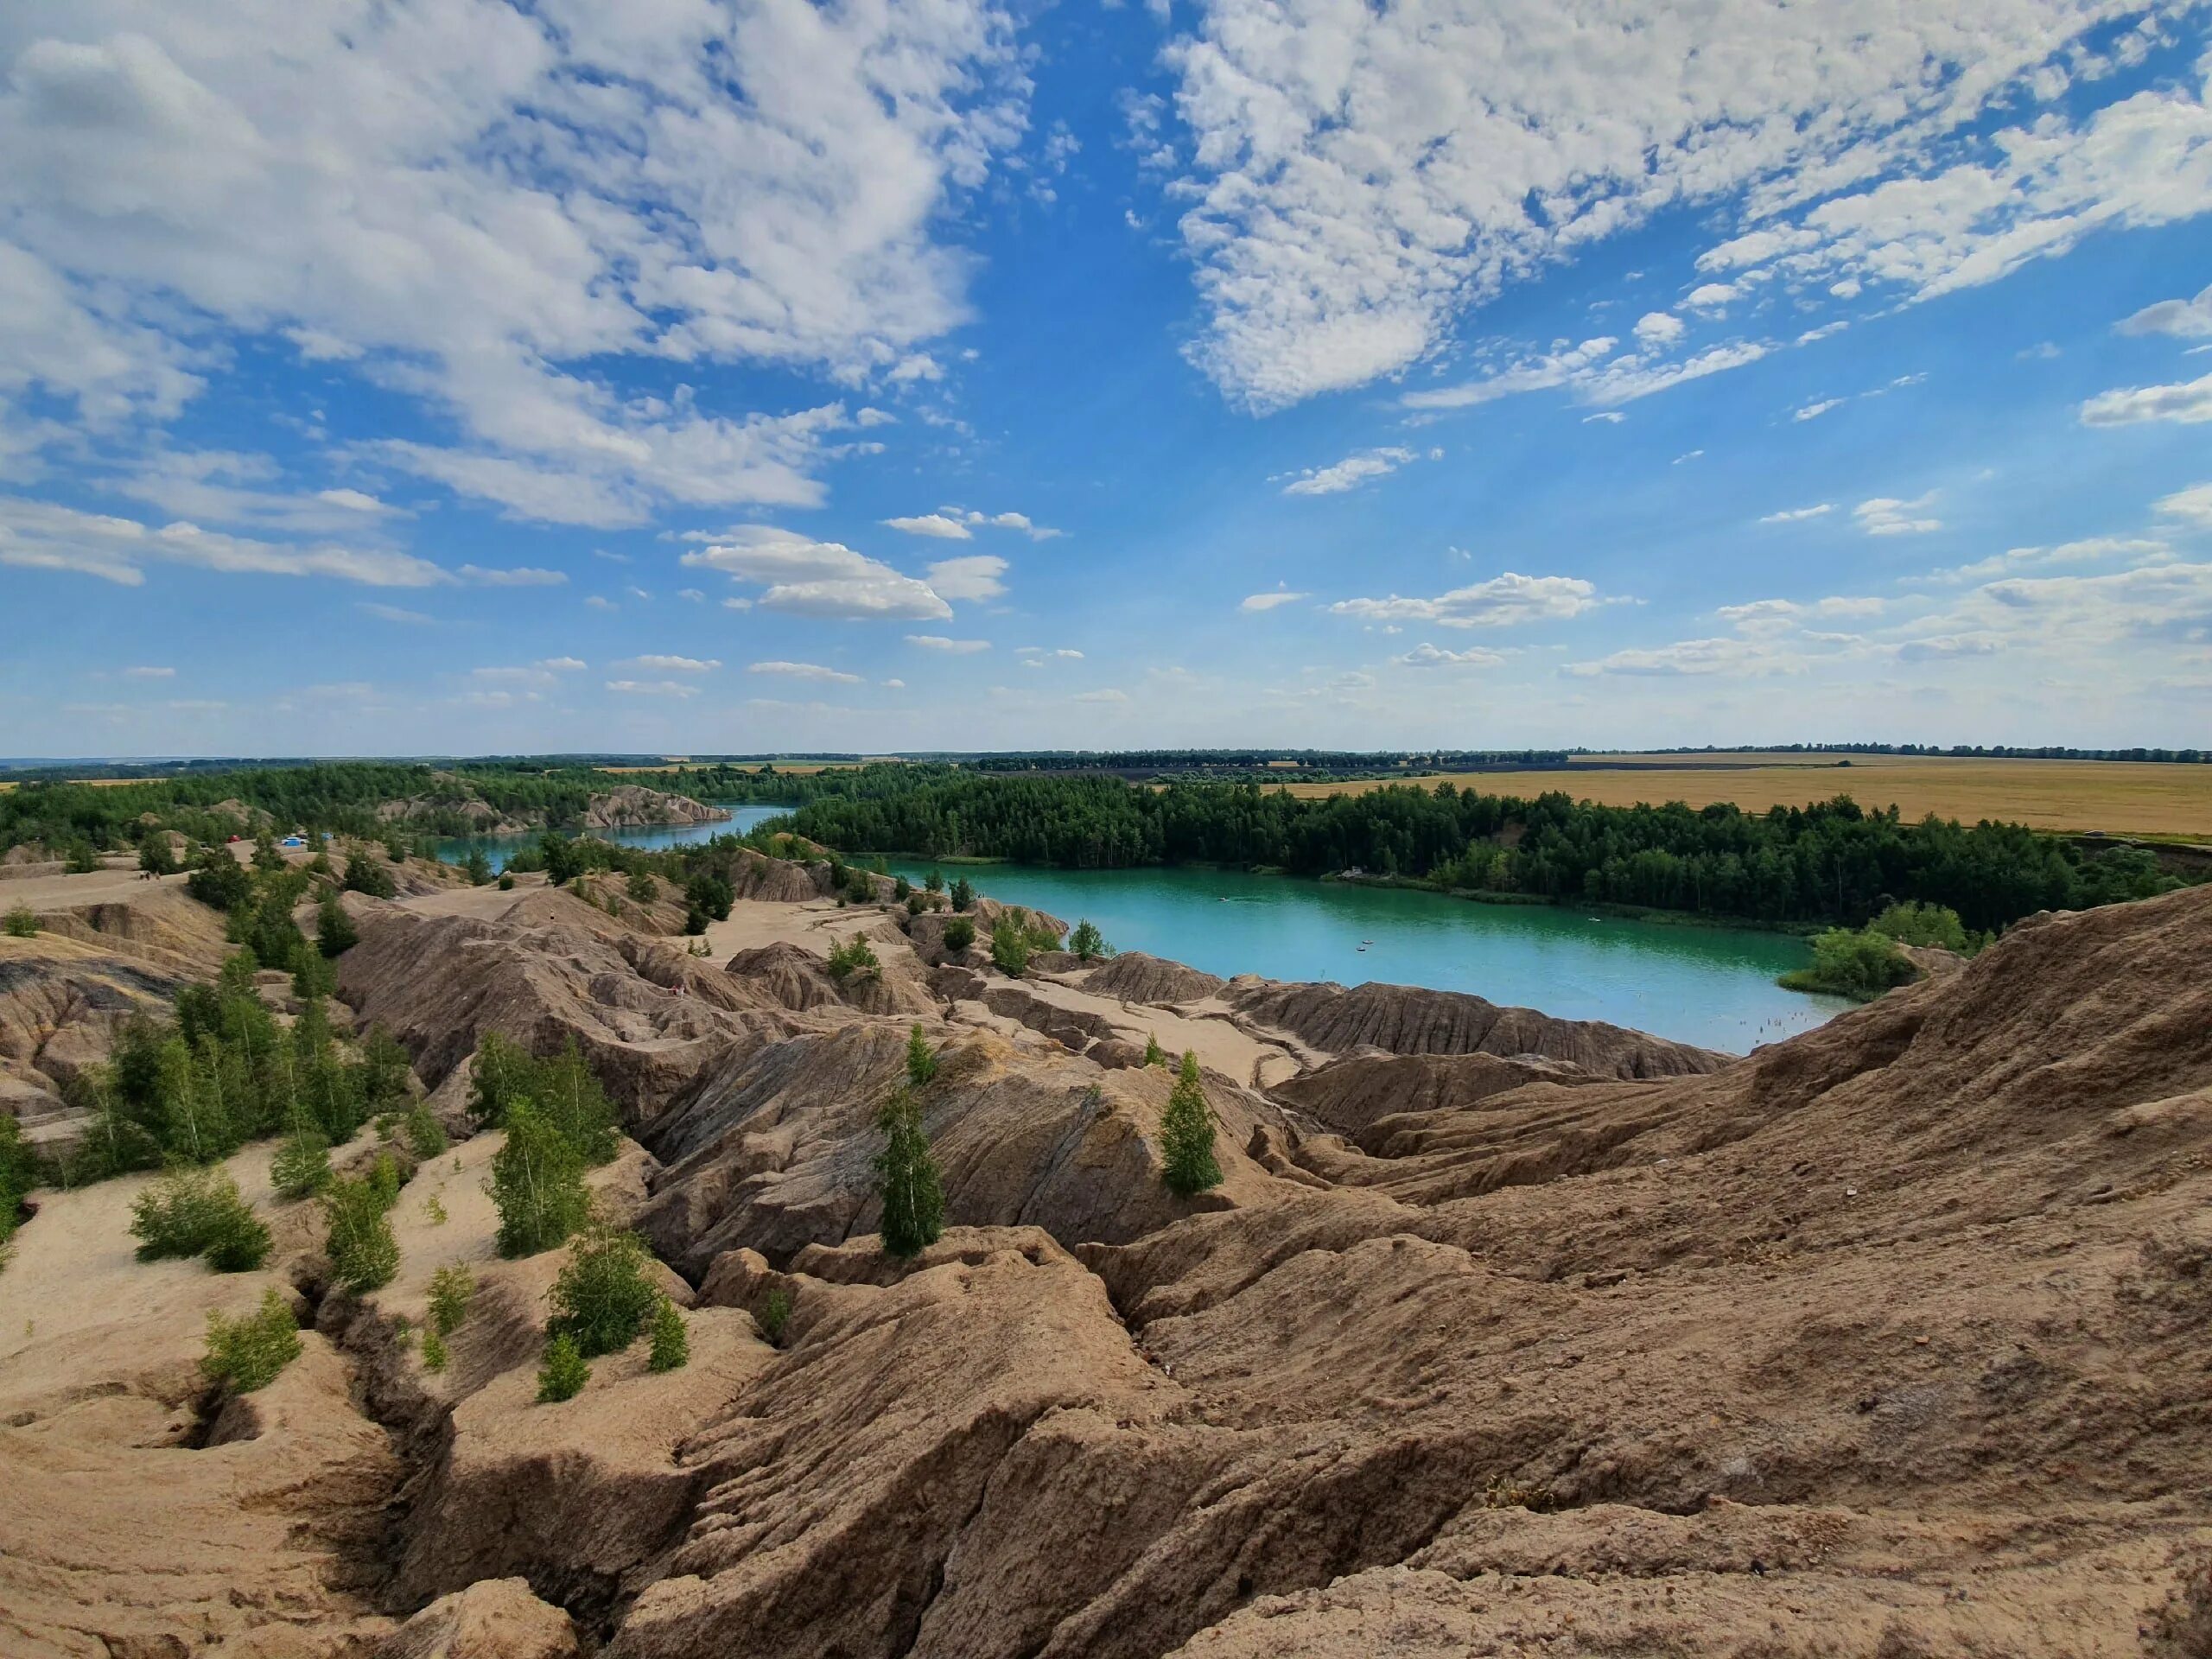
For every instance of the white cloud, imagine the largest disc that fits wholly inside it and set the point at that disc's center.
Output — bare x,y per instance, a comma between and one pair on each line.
601,602
1729,655
1606,416
1660,329
1554,368
1814,412
1429,656
2189,403
1349,473
806,671
1946,646
395,613
1887,516
974,578
812,578
652,688
2185,319
474,205
1794,515
1270,601
932,523
353,500
1502,601
520,576
2193,506
895,685
660,664
38,535
1107,694
560,665
1362,175
149,673
956,647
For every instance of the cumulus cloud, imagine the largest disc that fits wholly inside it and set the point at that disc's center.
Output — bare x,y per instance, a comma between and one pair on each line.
1270,602
1887,516
2189,403
1502,601
813,578
807,672
932,523
2185,319
37,535
1429,656
1728,654
1660,329
1349,473
1796,515
561,664
954,647
653,688
1360,176
975,577
475,205
2193,506
661,664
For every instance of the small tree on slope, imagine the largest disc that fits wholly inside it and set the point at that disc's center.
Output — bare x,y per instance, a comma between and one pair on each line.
913,1197
1186,1134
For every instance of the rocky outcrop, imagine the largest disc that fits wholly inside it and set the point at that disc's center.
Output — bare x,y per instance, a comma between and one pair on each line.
777,1153
1135,978
1887,1340
791,977
1406,1020
493,1618
633,805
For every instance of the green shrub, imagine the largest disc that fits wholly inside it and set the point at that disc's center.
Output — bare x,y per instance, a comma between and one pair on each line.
193,1212
1925,925
852,956
563,1373
248,1352
218,881
602,1297
1186,1134
934,882
963,895
1154,1053
334,931
424,1135
907,1181
18,1174
153,856
451,1287
240,1242
567,1091
1088,943
302,1166
1009,947
22,922
775,1315
642,887
1860,965
385,1180
537,1183
901,890
477,867
434,1358
959,934
672,1343
363,1254
369,875
506,882
921,1058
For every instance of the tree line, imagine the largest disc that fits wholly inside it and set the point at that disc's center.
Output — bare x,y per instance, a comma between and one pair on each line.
1829,863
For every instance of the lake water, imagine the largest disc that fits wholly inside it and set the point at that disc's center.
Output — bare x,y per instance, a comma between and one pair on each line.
1706,985
1710,986
652,837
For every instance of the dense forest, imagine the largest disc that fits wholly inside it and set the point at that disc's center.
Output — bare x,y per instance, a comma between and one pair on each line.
1832,862
339,796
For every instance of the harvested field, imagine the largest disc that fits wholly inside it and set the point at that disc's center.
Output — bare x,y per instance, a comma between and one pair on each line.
2122,797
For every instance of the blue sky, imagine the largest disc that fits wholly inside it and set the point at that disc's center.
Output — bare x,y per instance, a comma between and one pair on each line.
466,378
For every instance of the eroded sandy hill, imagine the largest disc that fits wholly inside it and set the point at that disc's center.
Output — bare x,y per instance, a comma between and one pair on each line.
1890,1340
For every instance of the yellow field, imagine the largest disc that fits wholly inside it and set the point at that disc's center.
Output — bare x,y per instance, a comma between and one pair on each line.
2117,797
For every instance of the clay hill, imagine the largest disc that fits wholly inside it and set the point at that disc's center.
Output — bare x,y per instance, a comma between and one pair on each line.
1502,1335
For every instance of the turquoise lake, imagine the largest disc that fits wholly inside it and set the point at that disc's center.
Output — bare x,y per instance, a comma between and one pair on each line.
500,848
1711,986
1707,985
